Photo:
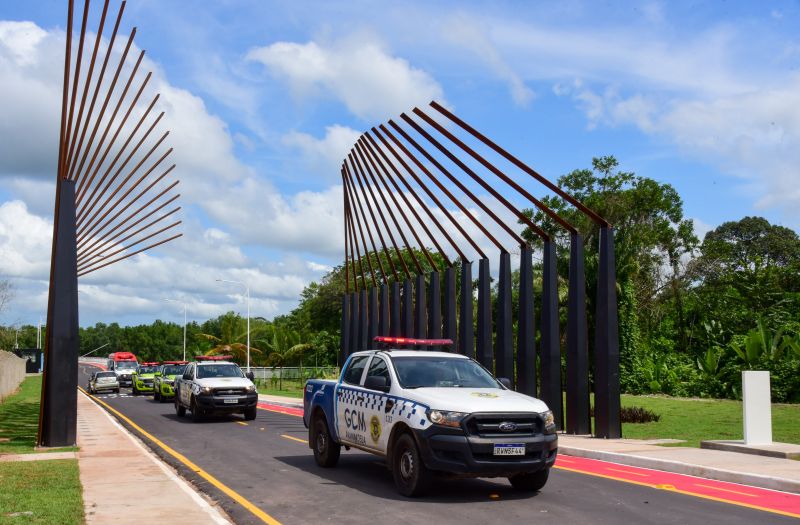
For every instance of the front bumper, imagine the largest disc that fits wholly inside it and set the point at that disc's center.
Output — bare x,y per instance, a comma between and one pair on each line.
453,451
166,390
144,387
125,380
223,404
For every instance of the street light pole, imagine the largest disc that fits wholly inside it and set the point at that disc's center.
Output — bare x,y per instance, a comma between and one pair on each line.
247,293
184,323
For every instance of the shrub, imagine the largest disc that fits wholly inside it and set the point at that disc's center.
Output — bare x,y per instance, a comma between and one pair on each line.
637,415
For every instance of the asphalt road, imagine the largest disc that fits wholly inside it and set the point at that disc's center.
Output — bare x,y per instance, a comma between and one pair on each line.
267,462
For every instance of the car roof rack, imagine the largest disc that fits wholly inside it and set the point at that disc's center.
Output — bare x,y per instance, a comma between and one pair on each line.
408,341
213,357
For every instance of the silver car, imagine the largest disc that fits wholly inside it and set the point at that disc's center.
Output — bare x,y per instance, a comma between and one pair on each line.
101,381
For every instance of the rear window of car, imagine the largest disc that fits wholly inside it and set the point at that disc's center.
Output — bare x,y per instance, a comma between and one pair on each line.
106,374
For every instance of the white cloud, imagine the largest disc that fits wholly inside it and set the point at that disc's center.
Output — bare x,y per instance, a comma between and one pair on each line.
25,242
467,33
326,152
359,72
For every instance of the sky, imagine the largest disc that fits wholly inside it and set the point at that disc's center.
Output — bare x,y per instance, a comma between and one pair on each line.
264,99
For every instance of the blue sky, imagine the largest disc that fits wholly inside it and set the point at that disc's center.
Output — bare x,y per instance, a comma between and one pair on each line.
265,98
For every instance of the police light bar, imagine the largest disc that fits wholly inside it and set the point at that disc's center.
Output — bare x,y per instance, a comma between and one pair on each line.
411,342
155,363
175,362
213,357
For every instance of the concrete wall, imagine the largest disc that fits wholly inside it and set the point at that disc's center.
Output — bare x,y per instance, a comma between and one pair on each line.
12,372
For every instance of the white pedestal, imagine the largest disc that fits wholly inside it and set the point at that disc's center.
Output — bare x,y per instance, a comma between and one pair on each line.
757,407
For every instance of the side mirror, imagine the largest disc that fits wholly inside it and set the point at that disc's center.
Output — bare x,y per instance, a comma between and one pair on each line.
250,375
506,382
376,383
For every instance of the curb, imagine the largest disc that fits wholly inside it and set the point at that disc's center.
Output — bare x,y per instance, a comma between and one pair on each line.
689,469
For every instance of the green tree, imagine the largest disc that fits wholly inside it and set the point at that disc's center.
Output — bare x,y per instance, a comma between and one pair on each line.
232,338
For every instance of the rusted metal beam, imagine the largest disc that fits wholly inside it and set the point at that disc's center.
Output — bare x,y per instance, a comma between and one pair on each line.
361,232
521,165
159,243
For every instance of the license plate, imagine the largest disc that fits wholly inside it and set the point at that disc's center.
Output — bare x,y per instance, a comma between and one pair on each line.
231,400
511,449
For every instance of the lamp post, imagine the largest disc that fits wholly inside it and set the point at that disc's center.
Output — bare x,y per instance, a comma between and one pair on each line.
247,292
184,323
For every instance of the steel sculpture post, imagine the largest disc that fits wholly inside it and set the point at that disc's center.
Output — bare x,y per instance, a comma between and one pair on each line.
344,342
395,326
551,336
420,309
435,309
577,345
504,351
466,334
606,348
372,315
450,321
526,330
483,347
383,315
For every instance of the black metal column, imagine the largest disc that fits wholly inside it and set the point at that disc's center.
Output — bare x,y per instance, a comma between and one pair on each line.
578,421
355,314
408,310
526,329
551,338
435,309
363,328
344,342
383,311
504,351
450,323
395,327
420,309
372,319
466,334
484,339
606,348
59,410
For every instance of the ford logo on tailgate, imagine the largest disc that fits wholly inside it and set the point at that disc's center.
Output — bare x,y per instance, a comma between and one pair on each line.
507,426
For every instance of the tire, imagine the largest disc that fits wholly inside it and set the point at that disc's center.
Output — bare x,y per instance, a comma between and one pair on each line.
326,452
196,413
134,391
156,395
530,481
250,414
116,390
411,476
180,410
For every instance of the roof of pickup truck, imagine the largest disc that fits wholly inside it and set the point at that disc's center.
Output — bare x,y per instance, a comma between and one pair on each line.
397,352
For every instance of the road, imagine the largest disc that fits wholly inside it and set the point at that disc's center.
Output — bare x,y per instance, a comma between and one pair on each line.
266,465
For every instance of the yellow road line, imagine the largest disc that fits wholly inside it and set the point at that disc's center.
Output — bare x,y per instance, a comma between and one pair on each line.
726,490
294,439
628,472
241,423
244,502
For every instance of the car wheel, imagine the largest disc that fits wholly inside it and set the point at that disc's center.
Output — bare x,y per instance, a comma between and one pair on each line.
411,476
196,413
250,414
156,395
180,410
530,481
326,452
116,390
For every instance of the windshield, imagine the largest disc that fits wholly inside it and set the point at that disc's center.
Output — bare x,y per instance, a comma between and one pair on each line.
417,372
125,365
173,370
221,370
147,369
105,374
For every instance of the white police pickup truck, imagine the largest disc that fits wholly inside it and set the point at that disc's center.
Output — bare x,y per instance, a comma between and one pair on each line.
214,385
429,413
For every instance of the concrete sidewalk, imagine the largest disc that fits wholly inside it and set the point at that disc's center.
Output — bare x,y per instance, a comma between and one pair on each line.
735,467
124,483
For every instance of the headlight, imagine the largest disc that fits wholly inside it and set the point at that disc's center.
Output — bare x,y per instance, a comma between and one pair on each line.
445,418
549,420
168,381
205,390
251,388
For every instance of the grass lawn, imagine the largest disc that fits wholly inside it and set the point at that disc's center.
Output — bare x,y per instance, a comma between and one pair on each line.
290,389
19,419
696,420
42,492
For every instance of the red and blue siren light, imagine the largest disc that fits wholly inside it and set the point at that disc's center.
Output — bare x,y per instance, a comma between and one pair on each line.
154,363
405,341
213,357
176,362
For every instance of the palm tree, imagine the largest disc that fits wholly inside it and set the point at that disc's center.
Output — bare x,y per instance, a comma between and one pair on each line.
284,345
230,342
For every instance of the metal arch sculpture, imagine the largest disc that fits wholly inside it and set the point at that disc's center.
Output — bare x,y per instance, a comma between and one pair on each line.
114,197
397,170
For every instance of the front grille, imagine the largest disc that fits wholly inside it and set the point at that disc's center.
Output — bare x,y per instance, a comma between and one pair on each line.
147,381
229,391
489,425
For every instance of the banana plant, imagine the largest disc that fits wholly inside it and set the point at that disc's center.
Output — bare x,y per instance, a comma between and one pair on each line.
709,364
758,343
792,344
